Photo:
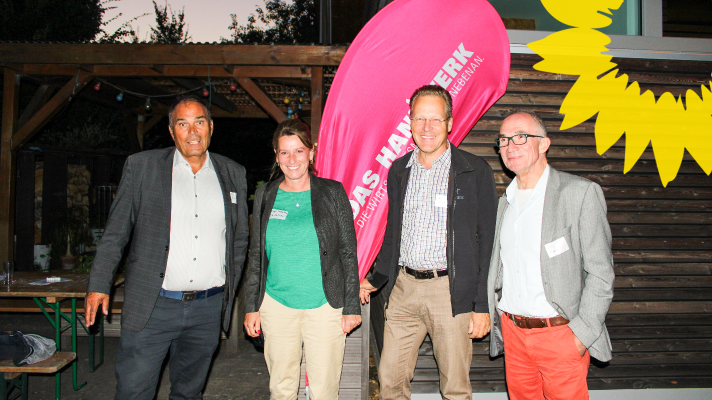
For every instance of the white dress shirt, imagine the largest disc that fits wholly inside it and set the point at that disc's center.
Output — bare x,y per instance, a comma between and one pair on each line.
196,257
520,251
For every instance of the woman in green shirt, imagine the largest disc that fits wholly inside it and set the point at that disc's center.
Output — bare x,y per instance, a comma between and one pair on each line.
301,284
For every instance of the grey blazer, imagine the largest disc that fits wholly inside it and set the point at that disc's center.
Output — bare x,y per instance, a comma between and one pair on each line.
579,282
143,205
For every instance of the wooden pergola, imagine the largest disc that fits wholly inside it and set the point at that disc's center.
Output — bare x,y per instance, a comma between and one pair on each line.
263,75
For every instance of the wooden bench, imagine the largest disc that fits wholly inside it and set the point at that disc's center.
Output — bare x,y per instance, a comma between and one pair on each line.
16,377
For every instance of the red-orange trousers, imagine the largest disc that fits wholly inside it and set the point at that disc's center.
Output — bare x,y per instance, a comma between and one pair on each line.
543,363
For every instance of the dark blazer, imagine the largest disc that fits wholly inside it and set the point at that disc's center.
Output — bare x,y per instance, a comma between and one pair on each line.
335,232
143,204
471,211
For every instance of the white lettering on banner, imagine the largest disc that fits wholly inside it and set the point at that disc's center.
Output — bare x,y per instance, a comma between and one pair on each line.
373,203
386,157
366,199
371,180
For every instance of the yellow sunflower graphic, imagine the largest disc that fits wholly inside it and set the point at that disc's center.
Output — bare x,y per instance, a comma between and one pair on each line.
670,124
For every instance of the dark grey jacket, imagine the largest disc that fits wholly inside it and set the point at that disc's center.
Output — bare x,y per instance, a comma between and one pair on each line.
335,231
471,211
143,204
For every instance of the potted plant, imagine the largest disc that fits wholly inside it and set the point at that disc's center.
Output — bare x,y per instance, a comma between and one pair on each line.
70,232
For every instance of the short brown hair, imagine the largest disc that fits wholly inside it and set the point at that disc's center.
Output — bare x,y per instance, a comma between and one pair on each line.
433,90
292,127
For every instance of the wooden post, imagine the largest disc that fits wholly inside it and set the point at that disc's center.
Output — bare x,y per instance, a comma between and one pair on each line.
261,98
317,100
10,106
365,345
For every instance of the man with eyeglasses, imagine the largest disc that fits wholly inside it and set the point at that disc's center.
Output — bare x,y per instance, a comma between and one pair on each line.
551,277
435,253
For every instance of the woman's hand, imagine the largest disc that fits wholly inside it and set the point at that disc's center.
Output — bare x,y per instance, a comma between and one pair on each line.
365,291
350,322
252,324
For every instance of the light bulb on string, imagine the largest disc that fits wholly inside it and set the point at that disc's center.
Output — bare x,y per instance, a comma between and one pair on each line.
233,87
147,106
206,93
97,86
120,96
299,106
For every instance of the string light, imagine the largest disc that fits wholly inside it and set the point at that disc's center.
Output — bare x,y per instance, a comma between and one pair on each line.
233,87
97,86
206,93
147,106
120,96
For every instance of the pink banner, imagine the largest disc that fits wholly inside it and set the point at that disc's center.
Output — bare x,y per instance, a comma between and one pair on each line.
460,45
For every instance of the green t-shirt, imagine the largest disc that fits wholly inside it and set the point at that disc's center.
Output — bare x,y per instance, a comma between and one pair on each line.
292,247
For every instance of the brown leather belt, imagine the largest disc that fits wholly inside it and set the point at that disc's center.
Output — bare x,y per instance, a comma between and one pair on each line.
532,323
423,273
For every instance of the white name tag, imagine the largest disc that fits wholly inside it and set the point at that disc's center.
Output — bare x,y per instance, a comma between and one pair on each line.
233,197
440,200
556,247
278,214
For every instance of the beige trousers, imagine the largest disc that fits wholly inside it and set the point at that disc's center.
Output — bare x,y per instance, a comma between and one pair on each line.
418,307
319,330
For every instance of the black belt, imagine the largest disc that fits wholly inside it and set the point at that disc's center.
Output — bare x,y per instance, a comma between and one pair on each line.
423,273
191,295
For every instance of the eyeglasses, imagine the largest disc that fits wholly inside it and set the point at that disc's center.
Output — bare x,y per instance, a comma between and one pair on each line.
519,139
434,122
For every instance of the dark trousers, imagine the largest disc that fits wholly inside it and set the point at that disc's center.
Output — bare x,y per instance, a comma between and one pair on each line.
191,329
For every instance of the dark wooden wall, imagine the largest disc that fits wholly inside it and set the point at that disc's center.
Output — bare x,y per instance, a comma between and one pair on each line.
661,318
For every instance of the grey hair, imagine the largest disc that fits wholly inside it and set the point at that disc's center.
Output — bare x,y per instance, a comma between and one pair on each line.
184,100
534,116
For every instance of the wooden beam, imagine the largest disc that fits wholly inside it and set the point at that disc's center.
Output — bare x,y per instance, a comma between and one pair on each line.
130,121
261,98
139,129
167,54
217,98
317,100
41,117
42,95
151,122
216,71
10,106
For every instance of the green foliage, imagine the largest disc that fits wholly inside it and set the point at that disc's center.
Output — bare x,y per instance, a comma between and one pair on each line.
124,33
284,24
68,230
84,265
252,196
169,31
83,125
50,20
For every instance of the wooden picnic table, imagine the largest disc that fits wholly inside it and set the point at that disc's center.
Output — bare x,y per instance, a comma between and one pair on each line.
47,298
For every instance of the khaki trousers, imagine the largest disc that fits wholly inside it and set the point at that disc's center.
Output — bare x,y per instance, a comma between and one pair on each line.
418,307
319,330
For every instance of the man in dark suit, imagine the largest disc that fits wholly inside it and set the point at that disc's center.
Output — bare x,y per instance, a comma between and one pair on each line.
188,213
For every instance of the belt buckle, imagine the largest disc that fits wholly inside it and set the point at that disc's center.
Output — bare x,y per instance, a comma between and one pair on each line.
430,274
188,296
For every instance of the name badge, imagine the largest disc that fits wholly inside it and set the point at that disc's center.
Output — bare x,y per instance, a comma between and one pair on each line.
556,247
233,197
278,214
440,200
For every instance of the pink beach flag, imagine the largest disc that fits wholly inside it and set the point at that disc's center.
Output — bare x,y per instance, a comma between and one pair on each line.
460,45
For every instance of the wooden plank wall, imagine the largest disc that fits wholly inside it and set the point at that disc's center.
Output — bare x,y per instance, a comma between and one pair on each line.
661,318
